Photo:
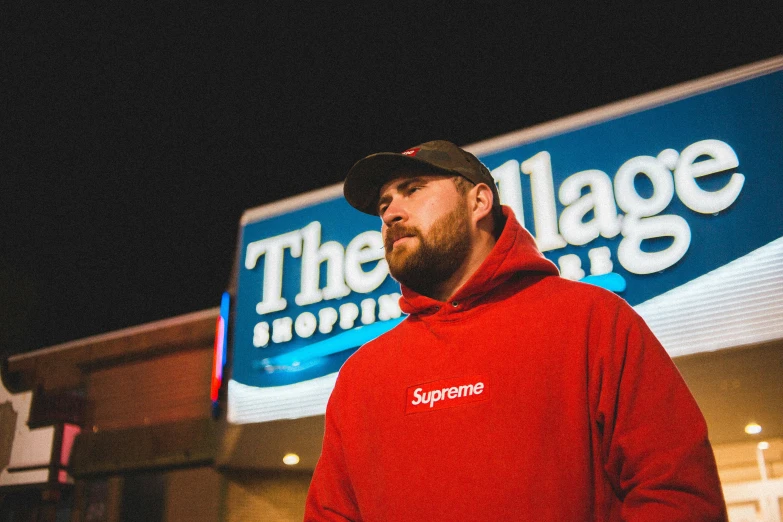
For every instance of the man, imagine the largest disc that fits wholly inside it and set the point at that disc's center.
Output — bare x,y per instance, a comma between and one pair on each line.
508,393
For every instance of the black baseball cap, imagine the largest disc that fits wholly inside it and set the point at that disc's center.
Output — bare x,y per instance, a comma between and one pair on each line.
364,181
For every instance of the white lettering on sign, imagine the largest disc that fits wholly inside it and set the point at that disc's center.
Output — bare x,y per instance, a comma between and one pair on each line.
571,267
281,330
721,158
368,311
642,220
348,314
600,260
327,317
313,254
261,334
365,248
593,191
510,188
272,250
305,324
389,307
599,199
542,188
344,268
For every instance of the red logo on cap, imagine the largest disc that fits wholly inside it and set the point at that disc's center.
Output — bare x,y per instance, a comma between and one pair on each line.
412,152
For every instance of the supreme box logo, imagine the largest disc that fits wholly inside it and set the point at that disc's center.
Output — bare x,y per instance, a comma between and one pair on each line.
446,393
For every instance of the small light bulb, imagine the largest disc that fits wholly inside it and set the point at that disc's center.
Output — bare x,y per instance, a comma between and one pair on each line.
763,445
291,459
752,429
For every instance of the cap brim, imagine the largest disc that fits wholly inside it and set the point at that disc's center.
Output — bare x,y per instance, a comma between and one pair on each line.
364,181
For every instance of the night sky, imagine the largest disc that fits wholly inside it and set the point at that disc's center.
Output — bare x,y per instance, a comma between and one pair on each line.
133,135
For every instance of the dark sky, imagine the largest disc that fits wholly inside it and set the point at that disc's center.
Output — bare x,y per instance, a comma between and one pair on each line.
133,135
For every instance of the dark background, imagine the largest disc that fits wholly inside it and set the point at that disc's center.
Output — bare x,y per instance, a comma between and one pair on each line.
133,135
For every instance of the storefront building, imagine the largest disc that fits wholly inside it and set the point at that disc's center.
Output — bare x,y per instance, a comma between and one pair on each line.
672,200
146,439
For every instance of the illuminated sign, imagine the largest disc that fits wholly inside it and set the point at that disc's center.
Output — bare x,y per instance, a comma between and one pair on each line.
641,201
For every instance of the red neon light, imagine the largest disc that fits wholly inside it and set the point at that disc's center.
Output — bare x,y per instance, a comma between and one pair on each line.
70,431
217,366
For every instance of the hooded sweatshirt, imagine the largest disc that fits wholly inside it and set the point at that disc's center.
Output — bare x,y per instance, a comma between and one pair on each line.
525,397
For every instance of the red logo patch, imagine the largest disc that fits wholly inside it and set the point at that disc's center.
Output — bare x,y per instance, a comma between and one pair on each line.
412,152
446,393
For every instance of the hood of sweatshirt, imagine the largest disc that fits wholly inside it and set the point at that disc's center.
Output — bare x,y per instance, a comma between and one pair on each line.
515,253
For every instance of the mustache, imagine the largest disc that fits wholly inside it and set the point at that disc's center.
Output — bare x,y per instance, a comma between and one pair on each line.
395,232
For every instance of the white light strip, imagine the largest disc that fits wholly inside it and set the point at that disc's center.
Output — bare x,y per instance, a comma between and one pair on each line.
737,304
293,401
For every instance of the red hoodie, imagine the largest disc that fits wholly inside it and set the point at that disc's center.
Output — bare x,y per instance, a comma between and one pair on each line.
526,397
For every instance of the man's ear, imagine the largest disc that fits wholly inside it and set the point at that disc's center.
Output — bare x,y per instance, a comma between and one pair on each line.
481,201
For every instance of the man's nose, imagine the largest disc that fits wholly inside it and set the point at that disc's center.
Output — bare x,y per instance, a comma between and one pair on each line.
395,212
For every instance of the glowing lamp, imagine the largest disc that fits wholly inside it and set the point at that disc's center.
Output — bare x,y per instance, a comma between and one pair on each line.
291,459
752,429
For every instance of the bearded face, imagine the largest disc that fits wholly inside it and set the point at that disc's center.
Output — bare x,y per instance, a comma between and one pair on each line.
426,259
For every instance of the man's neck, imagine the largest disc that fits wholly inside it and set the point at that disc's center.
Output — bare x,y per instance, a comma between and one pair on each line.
443,291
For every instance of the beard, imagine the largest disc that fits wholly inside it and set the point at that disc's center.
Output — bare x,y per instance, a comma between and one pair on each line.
437,256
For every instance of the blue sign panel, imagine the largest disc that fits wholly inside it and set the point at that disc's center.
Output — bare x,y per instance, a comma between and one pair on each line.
659,197
639,204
